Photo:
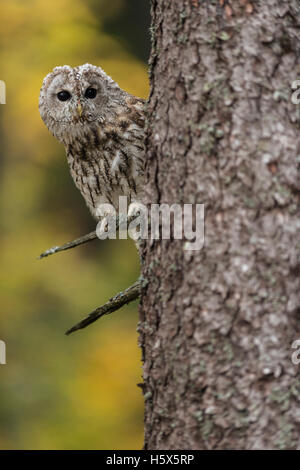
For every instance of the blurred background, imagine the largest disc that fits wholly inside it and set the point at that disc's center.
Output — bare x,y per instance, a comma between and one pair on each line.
59,392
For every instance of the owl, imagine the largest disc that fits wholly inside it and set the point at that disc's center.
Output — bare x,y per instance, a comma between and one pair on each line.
102,129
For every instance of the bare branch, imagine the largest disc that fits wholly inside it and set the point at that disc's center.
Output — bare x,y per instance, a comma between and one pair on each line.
120,222
131,293
79,241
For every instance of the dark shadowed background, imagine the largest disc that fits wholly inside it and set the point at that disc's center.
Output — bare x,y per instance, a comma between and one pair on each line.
59,392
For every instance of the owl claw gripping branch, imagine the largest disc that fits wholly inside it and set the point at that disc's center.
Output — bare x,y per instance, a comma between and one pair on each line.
102,129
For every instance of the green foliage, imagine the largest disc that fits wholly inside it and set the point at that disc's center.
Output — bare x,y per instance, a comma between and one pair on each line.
59,392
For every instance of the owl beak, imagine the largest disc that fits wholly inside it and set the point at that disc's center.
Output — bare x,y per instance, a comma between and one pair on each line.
79,110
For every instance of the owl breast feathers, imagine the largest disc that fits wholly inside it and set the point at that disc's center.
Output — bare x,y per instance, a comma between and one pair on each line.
102,129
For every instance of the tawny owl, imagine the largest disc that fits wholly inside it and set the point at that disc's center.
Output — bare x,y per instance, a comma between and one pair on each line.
102,129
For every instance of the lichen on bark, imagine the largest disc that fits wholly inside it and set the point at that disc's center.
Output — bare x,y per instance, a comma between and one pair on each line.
217,324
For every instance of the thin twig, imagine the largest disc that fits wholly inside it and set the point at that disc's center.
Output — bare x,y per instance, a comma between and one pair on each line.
79,241
131,293
125,221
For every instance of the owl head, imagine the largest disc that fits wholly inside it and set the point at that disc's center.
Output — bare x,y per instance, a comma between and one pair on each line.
71,98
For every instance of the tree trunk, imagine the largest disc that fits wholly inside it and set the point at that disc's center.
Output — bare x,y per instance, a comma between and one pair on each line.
217,324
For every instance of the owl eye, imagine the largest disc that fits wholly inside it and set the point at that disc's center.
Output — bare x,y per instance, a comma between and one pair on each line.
63,95
90,93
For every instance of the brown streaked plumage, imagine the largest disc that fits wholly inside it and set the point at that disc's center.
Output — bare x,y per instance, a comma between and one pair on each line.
102,129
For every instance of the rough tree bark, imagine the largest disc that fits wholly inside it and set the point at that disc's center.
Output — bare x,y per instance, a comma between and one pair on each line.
217,324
